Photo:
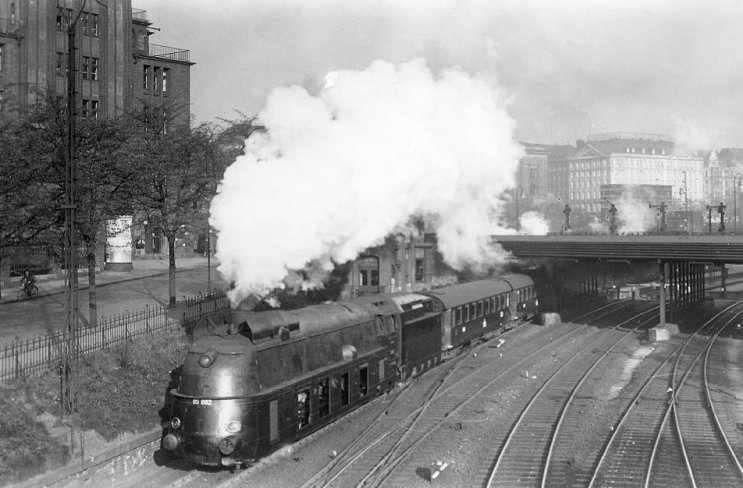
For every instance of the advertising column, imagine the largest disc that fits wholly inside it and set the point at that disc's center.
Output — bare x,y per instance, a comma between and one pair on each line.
119,244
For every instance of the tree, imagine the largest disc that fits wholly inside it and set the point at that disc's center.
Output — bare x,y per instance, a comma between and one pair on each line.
177,168
104,188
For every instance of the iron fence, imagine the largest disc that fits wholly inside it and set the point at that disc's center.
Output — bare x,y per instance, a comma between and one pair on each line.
28,356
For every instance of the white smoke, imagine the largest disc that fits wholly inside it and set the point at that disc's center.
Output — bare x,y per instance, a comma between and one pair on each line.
534,223
337,172
634,215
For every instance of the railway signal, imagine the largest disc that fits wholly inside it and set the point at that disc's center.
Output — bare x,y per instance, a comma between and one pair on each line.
662,212
720,210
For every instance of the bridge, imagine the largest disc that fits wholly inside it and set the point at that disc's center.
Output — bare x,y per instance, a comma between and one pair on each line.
682,259
708,249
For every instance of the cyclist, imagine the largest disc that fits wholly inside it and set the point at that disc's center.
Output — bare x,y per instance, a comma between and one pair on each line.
28,282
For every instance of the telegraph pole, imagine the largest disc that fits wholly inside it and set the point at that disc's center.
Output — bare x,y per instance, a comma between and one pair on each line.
71,353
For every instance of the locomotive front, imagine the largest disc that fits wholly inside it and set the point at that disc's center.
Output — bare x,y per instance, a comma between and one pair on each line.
213,407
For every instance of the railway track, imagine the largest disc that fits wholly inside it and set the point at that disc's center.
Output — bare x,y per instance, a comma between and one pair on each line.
647,447
529,446
362,460
405,440
414,426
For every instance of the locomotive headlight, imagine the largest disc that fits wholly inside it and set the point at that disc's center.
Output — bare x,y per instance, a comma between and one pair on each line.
227,445
233,426
175,423
208,358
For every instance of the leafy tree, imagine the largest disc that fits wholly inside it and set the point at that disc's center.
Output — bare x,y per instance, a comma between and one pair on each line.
177,173
104,188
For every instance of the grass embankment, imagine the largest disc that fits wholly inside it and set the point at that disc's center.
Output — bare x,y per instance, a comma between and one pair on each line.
122,390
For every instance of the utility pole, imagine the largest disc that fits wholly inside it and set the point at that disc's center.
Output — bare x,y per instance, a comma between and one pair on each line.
71,352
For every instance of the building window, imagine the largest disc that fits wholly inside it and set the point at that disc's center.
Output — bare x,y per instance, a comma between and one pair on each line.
90,68
90,24
166,71
60,66
155,78
419,267
146,78
86,68
63,18
90,109
94,69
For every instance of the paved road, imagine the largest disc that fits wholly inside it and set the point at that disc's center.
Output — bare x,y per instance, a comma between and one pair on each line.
117,293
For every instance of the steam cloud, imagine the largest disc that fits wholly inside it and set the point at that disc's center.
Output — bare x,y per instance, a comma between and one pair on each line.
337,172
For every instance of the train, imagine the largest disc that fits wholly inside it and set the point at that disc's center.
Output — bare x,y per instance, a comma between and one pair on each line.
253,382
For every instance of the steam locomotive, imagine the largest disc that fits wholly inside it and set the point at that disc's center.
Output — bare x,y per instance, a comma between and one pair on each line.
254,381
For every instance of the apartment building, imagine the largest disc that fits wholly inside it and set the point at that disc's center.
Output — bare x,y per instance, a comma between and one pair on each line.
118,69
587,177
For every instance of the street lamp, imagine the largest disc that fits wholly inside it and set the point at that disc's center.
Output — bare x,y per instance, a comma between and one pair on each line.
736,183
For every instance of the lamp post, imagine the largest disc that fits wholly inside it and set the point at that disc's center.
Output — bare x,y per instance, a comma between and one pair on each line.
737,180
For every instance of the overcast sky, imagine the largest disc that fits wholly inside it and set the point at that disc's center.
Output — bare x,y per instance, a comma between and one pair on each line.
570,68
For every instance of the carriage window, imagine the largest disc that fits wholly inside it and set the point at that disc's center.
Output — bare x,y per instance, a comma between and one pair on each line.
479,308
473,311
487,306
303,409
466,313
323,398
344,389
458,314
363,380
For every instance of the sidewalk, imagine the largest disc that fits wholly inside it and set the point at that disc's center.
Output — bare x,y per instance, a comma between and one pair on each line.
50,285
118,293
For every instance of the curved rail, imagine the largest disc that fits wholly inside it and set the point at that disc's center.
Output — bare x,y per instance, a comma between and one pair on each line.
520,421
616,429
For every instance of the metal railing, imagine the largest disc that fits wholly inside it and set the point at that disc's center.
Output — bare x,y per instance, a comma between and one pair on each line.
28,356
139,14
8,26
167,52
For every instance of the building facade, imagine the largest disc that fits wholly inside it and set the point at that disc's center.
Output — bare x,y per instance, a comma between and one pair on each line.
627,159
117,69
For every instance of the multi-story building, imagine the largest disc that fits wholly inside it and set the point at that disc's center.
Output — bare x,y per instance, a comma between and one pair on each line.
117,69
626,159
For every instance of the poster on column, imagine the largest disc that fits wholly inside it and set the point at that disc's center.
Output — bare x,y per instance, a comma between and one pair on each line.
119,244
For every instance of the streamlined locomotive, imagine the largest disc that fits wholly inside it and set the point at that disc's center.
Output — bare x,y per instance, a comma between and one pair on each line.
254,381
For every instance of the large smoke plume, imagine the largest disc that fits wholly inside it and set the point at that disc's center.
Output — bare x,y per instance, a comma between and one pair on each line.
336,172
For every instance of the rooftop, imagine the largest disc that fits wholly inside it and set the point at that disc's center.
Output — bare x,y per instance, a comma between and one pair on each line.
613,136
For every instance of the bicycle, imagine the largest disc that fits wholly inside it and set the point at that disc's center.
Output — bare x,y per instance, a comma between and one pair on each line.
27,292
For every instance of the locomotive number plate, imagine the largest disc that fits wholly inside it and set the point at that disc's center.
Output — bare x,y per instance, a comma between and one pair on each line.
196,401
